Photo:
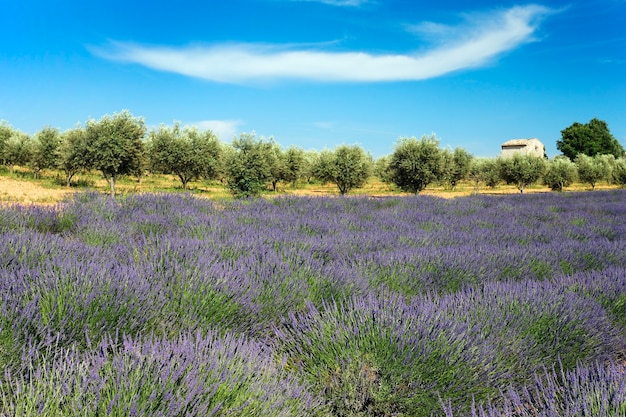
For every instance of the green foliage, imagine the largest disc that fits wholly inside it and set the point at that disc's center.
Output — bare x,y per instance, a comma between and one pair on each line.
416,163
619,172
484,171
115,145
275,159
591,170
381,169
6,131
18,150
186,152
521,170
45,149
248,167
456,167
295,164
561,172
591,139
347,166
72,155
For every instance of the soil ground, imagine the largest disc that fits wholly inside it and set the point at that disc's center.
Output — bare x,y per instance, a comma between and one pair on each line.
22,188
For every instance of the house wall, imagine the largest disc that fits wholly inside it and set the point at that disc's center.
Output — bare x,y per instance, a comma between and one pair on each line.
532,147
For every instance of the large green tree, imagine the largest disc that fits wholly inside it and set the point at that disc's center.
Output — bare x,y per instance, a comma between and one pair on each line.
348,167
591,139
45,149
185,152
115,145
414,164
521,170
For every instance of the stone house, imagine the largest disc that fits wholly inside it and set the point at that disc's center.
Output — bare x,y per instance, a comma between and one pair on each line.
523,146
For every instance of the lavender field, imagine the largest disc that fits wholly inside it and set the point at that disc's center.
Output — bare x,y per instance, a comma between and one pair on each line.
169,305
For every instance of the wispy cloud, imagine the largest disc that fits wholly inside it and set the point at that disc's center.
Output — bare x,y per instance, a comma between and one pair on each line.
224,129
481,39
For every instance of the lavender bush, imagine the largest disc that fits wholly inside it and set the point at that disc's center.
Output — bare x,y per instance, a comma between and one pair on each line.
194,375
356,306
597,389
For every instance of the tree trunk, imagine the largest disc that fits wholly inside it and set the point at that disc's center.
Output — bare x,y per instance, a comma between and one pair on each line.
112,183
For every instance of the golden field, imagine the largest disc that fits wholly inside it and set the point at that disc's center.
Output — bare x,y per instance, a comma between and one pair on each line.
20,187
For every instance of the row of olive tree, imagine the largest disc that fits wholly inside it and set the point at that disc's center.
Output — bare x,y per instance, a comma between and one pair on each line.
113,145
558,173
415,164
121,145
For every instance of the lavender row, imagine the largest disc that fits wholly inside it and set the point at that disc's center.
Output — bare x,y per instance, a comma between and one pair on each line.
598,389
377,306
192,375
393,356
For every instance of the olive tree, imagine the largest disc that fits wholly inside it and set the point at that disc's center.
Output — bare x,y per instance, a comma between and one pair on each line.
275,159
456,166
185,152
619,172
560,173
18,150
521,170
346,166
72,156
294,164
591,170
381,169
6,131
484,171
247,165
115,146
45,149
414,164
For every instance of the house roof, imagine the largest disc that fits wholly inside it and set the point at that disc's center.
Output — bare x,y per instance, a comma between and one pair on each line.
518,142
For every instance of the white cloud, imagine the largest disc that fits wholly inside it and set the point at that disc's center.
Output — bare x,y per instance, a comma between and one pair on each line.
480,40
224,129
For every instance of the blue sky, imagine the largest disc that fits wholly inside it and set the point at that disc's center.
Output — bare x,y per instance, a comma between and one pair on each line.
320,73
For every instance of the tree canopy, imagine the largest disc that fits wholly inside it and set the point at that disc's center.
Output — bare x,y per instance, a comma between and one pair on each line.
591,139
45,149
185,152
592,169
248,165
561,172
115,145
521,170
346,166
18,150
72,153
415,163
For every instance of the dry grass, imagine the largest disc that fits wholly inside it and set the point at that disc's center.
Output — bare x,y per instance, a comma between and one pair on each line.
29,192
23,189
